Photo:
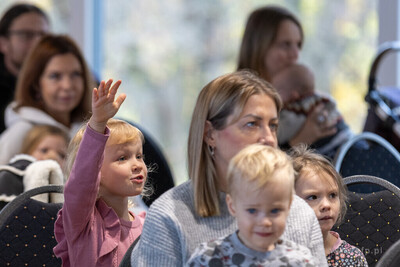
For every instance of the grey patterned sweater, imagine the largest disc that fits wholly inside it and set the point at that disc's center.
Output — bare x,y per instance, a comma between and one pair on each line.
230,251
172,230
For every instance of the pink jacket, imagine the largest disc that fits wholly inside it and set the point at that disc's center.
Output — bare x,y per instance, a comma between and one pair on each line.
88,232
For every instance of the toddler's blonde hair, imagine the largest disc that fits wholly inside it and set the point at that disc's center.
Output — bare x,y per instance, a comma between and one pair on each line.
256,164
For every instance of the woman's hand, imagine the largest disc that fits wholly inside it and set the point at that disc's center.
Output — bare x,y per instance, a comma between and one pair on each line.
316,126
104,104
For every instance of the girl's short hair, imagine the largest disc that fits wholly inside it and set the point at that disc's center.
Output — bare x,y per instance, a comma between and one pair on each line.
36,134
260,33
120,132
256,164
305,160
222,97
28,85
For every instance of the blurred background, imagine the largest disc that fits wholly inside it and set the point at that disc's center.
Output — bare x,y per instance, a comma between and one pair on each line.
166,51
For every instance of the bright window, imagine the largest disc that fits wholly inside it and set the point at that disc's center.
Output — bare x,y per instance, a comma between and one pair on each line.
166,51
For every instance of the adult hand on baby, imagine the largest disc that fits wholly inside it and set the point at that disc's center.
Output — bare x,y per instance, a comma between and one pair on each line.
315,127
104,104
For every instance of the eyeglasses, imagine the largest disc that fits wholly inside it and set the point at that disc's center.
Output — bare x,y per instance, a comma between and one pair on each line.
26,35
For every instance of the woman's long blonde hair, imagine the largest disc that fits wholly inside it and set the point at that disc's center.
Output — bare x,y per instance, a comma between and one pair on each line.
219,99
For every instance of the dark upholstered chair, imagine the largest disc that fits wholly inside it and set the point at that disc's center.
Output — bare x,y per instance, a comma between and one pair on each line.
126,260
372,221
391,258
161,179
27,230
368,154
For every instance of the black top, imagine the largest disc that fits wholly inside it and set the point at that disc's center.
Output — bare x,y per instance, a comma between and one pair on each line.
7,88
11,183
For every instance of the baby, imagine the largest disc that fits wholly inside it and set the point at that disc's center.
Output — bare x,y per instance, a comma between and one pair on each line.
295,85
260,190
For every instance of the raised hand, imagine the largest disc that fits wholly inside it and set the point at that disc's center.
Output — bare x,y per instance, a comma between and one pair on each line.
104,104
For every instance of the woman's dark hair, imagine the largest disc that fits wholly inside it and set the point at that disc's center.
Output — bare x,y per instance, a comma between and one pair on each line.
14,12
260,33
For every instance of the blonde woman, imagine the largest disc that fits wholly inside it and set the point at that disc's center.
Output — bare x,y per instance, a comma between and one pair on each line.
231,112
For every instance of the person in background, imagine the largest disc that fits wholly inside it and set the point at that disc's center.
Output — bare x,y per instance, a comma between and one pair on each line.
260,190
105,167
46,142
272,41
232,111
53,88
21,26
321,186
39,163
295,84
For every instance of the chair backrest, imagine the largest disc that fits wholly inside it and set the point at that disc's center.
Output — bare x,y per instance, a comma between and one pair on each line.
391,258
126,260
27,230
369,154
161,178
372,221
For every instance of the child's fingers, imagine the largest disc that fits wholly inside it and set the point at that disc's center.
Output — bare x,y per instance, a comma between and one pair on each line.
108,84
107,87
115,87
95,95
100,89
103,90
120,99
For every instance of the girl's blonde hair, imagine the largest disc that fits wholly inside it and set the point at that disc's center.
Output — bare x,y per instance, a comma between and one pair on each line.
306,160
36,135
222,97
256,164
120,132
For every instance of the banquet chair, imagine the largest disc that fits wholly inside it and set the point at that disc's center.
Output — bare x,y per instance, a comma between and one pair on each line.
27,229
160,178
126,260
372,220
391,258
368,154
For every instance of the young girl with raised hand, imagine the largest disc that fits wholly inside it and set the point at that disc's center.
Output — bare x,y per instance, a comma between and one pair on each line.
260,191
95,227
321,186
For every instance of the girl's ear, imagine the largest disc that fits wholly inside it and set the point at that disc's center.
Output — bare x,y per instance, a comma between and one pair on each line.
230,204
208,135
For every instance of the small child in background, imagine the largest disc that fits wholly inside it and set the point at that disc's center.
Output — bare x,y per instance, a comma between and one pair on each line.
105,166
46,142
260,190
321,186
39,163
295,85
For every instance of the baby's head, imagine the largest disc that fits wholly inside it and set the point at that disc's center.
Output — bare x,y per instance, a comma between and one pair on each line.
123,170
46,142
260,191
320,185
294,83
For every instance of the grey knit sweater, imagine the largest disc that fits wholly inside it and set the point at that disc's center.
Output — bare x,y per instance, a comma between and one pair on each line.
172,230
